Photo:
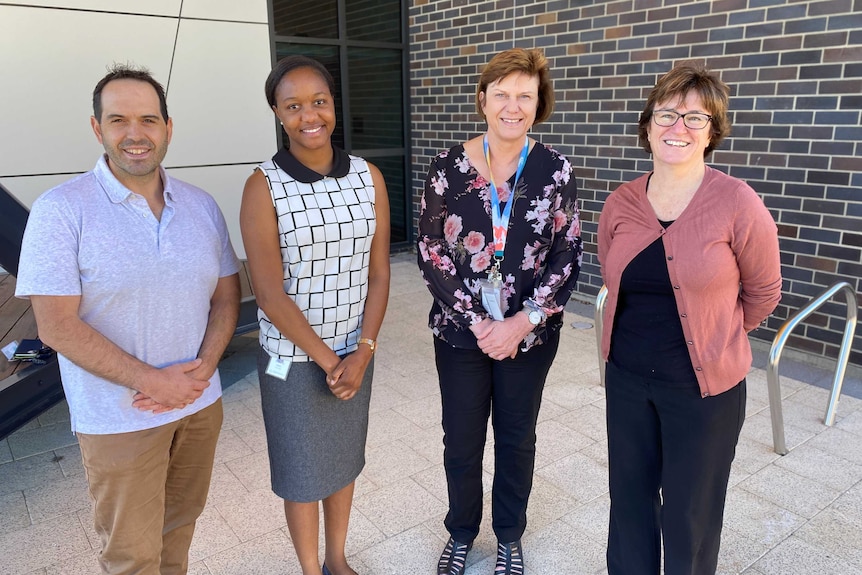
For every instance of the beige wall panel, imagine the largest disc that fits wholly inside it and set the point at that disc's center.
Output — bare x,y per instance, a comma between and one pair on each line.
29,188
50,60
225,184
216,95
245,11
154,7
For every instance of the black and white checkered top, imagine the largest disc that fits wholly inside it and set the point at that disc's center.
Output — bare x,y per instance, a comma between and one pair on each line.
325,225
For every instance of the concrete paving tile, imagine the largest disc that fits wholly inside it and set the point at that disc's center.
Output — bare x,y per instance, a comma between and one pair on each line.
547,504
408,358
417,384
752,455
737,552
580,391
254,514
13,510
362,485
582,477
252,470
391,462
84,564
265,555
561,548
589,420
361,534
69,459
85,518
758,519
231,446
759,428
555,440
803,416
57,414
550,410
224,486
433,480
42,544
821,466
598,452
398,506
236,414
794,555
425,412
199,568
794,493
427,442
837,532
29,472
839,443
212,536
592,518
850,502
62,497
5,452
415,550
384,397
253,435
387,426
851,423
41,439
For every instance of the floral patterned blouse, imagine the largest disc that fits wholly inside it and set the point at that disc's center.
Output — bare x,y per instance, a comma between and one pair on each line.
543,250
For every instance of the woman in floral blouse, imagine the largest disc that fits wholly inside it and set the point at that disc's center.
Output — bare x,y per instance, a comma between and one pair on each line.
501,262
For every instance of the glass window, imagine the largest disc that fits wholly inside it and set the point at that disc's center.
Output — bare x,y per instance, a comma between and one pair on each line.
317,19
392,168
375,98
375,20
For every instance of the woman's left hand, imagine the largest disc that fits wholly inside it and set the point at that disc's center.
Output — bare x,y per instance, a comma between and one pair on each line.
345,380
502,338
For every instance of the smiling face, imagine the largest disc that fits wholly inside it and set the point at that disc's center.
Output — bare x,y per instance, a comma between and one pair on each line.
678,145
306,108
132,130
510,104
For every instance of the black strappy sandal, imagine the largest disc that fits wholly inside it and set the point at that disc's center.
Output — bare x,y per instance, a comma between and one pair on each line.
453,560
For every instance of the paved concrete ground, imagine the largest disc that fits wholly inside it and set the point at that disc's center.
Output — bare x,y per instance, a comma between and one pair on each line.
797,514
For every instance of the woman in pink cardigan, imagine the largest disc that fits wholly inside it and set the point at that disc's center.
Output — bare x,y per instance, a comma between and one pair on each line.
691,261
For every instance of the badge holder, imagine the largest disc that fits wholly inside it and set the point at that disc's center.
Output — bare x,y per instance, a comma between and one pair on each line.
491,290
278,367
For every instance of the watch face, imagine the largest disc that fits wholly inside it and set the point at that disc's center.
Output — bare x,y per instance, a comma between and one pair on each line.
535,317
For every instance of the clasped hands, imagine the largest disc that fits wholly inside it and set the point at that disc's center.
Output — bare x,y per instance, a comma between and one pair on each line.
345,379
173,387
501,339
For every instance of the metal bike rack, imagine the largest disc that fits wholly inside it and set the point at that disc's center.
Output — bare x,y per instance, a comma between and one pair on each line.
601,299
772,380
781,336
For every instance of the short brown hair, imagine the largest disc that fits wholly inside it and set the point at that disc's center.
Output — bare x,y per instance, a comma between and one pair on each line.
128,72
684,78
531,62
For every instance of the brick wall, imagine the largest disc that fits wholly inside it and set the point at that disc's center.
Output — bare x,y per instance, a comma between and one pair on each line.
795,71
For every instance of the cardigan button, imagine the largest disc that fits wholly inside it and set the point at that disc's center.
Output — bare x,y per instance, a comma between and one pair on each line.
690,342
669,258
698,369
675,287
705,394
683,315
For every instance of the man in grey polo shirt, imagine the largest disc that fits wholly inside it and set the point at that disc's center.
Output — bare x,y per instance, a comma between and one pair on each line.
133,281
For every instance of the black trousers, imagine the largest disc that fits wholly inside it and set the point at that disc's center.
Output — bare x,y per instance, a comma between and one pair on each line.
669,454
472,386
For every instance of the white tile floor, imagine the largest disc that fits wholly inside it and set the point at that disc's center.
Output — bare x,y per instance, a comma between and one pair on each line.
798,514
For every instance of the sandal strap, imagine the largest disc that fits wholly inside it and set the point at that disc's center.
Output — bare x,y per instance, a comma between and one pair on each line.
453,560
510,559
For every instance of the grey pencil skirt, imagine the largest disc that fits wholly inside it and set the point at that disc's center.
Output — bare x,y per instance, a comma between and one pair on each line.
316,442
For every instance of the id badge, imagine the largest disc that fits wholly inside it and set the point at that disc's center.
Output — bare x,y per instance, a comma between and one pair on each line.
278,367
492,297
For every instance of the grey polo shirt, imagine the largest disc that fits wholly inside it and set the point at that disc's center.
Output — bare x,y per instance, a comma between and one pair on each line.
145,284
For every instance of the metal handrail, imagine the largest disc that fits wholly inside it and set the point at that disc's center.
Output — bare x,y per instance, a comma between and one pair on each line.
601,299
781,336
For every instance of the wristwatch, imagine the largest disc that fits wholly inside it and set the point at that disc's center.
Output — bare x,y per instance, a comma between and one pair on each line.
534,312
369,342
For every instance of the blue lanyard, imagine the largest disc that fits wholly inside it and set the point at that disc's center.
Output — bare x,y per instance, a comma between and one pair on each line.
500,221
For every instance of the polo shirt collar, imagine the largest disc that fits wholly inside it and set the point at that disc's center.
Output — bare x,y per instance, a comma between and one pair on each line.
300,172
116,191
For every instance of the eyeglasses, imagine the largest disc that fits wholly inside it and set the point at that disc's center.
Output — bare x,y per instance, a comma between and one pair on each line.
693,120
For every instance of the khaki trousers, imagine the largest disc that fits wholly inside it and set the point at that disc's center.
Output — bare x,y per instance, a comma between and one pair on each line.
148,488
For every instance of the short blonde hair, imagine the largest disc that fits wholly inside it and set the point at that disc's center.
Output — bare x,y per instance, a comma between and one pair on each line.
531,62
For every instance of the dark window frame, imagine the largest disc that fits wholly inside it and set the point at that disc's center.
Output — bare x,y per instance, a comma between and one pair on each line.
343,44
